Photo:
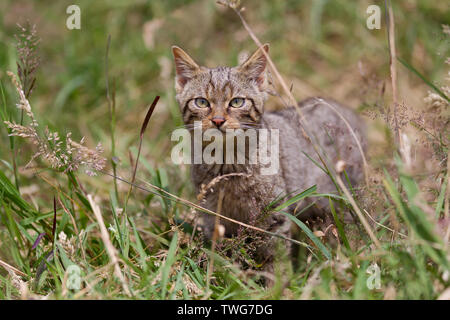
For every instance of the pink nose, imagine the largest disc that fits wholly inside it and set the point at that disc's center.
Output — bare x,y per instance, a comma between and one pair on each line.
218,121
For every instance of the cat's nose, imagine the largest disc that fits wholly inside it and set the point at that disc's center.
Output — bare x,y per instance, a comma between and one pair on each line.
218,121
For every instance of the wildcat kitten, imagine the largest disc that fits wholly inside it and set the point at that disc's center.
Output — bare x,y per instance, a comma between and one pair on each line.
233,98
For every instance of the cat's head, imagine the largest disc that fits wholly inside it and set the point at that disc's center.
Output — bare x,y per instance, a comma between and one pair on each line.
223,97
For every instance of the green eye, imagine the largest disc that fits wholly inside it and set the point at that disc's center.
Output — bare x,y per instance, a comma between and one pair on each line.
201,102
237,102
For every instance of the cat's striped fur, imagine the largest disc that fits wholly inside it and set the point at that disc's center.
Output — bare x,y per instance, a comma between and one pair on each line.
245,197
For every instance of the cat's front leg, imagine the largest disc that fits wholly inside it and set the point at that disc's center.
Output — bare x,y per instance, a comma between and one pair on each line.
207,225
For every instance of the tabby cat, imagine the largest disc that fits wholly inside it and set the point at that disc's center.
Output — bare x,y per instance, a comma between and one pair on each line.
233,98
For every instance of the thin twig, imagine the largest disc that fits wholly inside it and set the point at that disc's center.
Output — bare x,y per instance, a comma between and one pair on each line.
383,226
12,269
393,69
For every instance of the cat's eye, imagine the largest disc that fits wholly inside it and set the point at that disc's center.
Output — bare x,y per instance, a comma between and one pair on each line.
201,102
237,102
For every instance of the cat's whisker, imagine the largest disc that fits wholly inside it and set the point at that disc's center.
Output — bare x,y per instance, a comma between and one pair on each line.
245,126
253,123
256,125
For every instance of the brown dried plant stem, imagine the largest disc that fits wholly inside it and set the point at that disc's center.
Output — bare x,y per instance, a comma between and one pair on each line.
80,242
393,70
383,226
12,269
358,211
111,250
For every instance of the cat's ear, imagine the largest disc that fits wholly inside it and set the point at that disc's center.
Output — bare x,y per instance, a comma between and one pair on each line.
185,66
255,66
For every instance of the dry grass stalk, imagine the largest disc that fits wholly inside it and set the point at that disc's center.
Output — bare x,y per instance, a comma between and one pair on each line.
205,188
383,226
393,70
357,210
72,219
201,196
10,268
108,244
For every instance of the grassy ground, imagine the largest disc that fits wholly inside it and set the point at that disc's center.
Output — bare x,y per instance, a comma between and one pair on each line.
52,219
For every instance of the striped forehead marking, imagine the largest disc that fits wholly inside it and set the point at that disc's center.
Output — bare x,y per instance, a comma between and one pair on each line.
219,86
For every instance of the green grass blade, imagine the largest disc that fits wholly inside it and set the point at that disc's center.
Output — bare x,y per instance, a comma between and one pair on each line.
310,234
297,198
339,226
165,271
429,83
441,198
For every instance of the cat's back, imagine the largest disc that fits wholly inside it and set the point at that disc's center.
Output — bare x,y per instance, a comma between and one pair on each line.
316,111
323,118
